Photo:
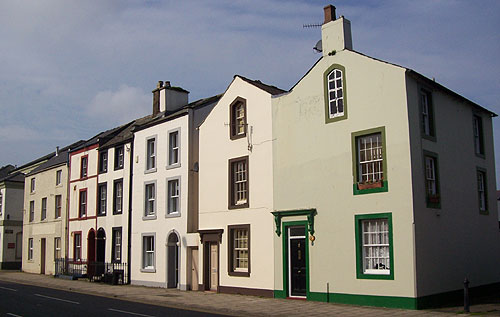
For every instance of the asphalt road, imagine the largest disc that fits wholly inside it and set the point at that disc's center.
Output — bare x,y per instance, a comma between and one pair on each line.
27,300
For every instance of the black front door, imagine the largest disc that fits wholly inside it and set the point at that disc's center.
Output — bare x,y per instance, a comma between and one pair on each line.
298,271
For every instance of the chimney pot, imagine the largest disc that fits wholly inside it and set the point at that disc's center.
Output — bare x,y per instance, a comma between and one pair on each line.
57,150
329,13
167,83
160,84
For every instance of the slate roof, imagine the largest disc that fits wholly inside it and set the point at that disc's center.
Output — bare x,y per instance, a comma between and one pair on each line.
273,90
14,177
5,170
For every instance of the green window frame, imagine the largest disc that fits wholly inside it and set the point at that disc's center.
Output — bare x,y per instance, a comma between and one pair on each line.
335,90
378,184
431,180
427,118
482,190
361,273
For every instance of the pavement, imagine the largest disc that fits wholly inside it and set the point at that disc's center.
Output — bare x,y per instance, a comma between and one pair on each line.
232,305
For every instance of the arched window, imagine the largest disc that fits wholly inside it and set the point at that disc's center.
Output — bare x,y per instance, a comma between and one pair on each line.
335,93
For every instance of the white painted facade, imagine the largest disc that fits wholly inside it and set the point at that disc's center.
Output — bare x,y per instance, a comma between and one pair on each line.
11,216
216,150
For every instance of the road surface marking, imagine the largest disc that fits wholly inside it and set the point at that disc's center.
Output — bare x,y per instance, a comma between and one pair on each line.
9,289
11,314
127,312
62,300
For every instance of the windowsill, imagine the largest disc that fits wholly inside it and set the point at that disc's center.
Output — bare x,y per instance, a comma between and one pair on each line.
238,136
245,205
172,166
117,212
480,155
103,172
484,212
335,119
173,215
118,168
240,274
368,276
429,137
59,185
382,189
152,217
151,170
146,270
101,215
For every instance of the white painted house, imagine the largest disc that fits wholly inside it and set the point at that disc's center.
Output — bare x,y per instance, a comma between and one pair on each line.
165,191
236,191
384,184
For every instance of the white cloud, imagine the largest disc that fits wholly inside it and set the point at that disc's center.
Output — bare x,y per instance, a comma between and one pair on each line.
120,106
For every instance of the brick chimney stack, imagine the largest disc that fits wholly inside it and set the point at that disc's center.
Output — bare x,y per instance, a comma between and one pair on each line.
329,13
335,33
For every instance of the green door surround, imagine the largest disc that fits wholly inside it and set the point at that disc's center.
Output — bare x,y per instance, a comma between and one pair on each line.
310,213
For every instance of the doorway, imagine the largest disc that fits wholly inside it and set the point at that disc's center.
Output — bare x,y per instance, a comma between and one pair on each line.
42,256
100,252
296,259
91,253
211,267
194,269
173,261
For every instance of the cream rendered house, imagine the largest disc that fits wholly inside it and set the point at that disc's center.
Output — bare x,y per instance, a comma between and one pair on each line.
11,217
384,184
44,223
236,191
165,191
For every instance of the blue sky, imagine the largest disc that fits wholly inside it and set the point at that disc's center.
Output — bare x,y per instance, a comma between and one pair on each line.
70,69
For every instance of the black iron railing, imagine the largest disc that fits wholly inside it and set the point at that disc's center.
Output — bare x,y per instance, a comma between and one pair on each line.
113,273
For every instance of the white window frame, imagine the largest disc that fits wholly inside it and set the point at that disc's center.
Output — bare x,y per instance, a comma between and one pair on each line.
335,101
119,157
373,158
150,200
77,245
174,149
84,172
30,249
117,244
430,175
82,204
478,134
32,185
58,177
481,191
151,154
117,196
32,211
376,246
1,203
173,196
239,249
426,119
103,198
148,241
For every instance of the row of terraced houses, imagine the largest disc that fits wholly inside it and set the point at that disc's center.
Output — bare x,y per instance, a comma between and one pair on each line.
365,183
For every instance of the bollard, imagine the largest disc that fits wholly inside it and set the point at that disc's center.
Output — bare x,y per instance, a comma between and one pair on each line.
466,296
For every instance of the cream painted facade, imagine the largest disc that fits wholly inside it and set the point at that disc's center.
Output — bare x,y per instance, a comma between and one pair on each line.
163,239
39,234
11,229
315,168
217,149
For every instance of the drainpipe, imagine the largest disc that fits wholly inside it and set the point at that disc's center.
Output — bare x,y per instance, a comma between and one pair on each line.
130,191
68,192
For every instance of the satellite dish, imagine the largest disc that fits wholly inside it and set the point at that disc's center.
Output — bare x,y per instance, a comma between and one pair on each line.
318,47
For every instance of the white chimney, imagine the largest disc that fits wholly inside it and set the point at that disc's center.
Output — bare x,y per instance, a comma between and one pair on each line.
335,33
172,98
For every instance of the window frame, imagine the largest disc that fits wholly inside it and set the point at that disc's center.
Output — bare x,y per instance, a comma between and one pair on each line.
327,72
32,211
84,167
1,203
431,135
100,202
115,246
32,185
232,183
103,161
119,164
58,177
170,213
144,268
57,248
77,234
57,208
358,220
483,172
151,158
170,148
150,215
233,133
381,185
43,209
30,249
116,198
82,207
479,138
231,252
432,202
